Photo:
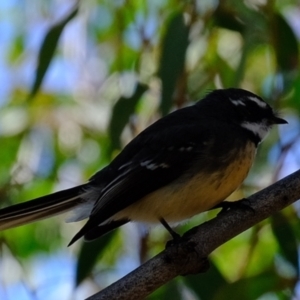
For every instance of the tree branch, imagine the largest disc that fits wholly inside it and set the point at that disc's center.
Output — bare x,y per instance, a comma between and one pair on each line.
189,255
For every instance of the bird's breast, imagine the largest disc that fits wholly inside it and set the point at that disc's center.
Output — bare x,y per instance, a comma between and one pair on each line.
193,193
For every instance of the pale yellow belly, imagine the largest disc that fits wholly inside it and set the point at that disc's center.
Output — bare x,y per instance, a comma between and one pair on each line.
186,198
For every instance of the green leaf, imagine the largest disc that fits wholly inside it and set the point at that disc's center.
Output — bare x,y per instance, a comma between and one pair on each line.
16,49
285,44
202,284
227,18
47,51
121,113
286,238
293,101
89,254
226,73
253,287
172,59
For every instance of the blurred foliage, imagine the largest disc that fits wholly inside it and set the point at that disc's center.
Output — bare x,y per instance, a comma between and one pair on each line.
77,83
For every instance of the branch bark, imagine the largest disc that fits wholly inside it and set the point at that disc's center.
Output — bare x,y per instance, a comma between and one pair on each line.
189,255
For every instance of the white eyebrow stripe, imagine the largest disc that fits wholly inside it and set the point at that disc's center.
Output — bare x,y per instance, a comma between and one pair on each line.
258,101
237,102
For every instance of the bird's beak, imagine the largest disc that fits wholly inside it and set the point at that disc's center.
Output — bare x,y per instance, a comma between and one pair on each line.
277,120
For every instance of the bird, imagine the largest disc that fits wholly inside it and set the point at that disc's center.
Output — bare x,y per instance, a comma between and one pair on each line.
185,163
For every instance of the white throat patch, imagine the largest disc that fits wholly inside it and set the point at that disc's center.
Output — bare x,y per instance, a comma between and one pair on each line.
259,129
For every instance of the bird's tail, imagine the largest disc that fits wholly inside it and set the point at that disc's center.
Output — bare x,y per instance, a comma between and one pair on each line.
42,207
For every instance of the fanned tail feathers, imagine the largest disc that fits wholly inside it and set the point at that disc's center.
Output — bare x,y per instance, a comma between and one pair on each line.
40,208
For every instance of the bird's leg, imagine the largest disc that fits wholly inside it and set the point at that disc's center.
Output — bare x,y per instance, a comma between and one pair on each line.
174,234
186,248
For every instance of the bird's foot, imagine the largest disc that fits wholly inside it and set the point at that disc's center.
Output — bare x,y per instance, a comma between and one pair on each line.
176,237
240,204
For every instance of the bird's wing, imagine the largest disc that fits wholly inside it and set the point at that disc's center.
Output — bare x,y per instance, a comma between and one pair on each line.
159,160
146,173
